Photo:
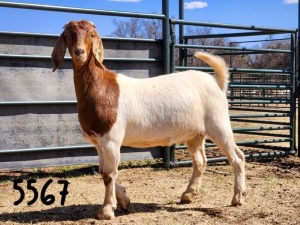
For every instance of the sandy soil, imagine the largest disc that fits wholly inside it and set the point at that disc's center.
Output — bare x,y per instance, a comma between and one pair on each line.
272,195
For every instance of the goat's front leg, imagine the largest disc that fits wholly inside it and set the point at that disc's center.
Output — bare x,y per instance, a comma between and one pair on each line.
110,153
122,199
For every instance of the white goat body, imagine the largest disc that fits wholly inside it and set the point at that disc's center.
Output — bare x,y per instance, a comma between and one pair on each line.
173,108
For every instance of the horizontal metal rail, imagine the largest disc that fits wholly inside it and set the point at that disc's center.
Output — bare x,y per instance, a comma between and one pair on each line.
45,149
131,39
231,26
39,57
261,85
264,134
259,102
132,59
232,48
240,70
226,35
281,127
244,143
260,115
260,121
247,156
25,34
79,10
261,109
24,103
239,53
78,147
232,98
266,141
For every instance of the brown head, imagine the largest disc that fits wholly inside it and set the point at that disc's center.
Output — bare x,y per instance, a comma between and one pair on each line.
81,39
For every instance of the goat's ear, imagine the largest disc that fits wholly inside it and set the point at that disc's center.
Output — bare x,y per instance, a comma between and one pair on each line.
59,52
98,49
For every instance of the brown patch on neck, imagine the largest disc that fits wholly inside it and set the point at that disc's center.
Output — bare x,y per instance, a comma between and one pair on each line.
97,93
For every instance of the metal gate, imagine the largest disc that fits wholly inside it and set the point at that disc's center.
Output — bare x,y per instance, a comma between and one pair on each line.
262,102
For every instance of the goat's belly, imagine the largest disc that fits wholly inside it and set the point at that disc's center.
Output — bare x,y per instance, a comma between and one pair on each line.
152,141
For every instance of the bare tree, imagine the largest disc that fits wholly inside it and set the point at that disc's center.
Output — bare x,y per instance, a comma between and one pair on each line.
272,60
138,28
152,29
190,30
207,41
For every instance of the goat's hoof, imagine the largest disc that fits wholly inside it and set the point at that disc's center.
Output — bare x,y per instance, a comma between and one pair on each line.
105,213
186,198
124,203
238,199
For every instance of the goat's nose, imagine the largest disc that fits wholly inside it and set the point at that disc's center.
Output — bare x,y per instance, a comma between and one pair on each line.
79,51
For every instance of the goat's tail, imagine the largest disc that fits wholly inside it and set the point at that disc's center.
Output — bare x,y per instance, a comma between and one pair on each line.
219,66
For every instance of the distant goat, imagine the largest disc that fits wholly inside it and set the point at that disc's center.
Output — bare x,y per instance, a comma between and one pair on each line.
116,110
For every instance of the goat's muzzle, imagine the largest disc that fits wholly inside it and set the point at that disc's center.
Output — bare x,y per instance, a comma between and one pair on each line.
79,55
79,52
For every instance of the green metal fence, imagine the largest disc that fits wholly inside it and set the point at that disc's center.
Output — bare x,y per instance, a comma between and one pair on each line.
266,108
262,101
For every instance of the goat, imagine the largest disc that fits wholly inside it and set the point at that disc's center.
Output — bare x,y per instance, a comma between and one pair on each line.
115,110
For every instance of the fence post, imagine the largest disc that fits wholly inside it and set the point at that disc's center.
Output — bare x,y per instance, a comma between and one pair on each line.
172,49
166,36
298,78
293,91
181,31
166,64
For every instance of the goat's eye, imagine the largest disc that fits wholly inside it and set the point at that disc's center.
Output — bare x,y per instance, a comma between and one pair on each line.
92,35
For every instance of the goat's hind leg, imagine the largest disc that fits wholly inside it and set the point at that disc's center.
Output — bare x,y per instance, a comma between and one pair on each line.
236,158
196,149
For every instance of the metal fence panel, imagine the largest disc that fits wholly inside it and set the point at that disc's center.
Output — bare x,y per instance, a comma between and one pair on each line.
38,114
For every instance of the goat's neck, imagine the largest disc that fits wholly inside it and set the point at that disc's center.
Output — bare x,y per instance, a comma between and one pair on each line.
87,76
97,93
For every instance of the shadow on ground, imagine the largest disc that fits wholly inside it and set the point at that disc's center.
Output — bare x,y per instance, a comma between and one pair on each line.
81,212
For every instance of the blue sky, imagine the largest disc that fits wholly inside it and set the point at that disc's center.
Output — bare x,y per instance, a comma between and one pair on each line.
269,13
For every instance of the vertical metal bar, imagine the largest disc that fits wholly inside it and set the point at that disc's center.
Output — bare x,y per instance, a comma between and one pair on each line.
166,63
181,31
231,75
167,157
264,90
185,51
172,155
166,36
298,79
230,56
172,48
293,93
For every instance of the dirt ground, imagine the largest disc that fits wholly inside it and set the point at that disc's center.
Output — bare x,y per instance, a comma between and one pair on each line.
273,193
